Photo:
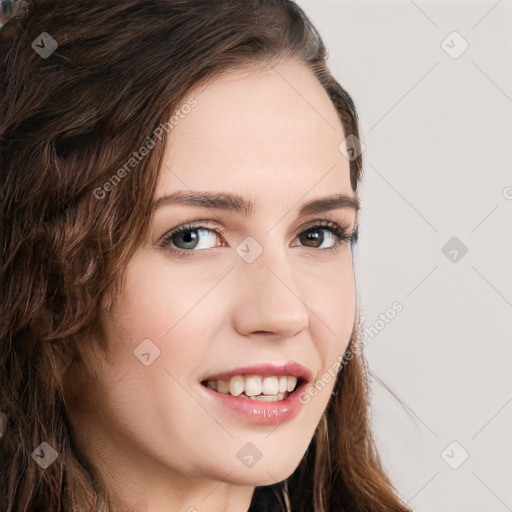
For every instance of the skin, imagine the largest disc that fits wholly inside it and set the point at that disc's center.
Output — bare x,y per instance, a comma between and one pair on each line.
152,431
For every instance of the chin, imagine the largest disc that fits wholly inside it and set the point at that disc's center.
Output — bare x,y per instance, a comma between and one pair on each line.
261,477
267,471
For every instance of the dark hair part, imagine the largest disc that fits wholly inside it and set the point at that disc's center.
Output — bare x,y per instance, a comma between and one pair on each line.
70,121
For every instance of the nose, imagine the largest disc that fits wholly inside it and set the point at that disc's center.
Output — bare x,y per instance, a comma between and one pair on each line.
268,299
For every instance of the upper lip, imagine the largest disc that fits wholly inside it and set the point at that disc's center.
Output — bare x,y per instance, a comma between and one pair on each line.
290,368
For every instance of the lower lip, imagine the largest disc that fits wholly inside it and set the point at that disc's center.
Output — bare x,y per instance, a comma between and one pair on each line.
264,413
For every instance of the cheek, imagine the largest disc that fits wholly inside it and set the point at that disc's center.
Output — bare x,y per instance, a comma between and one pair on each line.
162,302
165,317
333,306
152,405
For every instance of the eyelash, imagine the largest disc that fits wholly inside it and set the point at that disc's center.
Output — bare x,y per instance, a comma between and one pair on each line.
341,232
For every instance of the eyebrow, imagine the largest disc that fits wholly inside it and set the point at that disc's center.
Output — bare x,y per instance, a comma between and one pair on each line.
236,203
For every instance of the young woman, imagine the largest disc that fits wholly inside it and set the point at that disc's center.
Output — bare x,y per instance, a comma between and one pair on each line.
179,210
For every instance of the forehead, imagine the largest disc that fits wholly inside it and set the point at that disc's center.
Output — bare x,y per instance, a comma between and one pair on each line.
264,131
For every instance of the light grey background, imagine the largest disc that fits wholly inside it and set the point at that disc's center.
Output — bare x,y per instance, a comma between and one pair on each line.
438,136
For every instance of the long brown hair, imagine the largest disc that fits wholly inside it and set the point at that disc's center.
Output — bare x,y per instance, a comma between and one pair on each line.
70,121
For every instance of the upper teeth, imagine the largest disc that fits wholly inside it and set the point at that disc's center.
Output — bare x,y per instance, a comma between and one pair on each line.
254,385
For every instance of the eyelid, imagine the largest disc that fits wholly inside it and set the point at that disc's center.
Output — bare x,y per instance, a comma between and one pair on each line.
194,223
343,224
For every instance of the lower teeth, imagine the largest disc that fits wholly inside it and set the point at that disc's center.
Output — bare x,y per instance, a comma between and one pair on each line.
261,398
268,398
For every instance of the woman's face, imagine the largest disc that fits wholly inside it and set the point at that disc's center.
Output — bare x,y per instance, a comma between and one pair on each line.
245,299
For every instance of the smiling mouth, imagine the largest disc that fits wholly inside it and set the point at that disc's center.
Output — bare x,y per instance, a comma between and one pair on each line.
255,387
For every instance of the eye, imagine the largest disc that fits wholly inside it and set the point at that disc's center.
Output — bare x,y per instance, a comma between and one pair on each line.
188,239
313,237
336,235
